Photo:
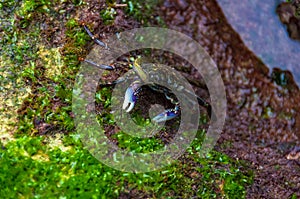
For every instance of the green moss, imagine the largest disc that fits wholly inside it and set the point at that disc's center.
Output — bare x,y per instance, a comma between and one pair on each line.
31,167
280,78
143,11
108,15
294,196
57,165
48,72
136,144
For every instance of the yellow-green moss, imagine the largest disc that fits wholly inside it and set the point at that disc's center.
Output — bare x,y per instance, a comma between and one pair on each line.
52,61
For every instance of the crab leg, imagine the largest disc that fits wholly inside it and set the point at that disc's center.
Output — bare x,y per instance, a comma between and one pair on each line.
101,66
97,41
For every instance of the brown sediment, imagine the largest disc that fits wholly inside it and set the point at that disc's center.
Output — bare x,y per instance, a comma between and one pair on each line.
263,117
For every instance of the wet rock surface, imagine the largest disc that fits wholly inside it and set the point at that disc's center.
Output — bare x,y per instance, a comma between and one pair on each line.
263,115
260,28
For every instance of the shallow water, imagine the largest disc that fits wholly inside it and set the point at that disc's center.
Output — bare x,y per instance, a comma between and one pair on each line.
259,26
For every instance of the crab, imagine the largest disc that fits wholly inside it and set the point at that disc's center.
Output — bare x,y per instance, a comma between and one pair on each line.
143,76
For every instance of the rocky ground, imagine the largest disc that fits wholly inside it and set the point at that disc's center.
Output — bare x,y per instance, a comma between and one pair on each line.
263,115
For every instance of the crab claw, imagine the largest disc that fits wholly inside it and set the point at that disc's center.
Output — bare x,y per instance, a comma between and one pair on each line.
130,99
166,115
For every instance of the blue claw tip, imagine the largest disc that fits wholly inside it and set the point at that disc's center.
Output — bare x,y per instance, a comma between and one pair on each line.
165,116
